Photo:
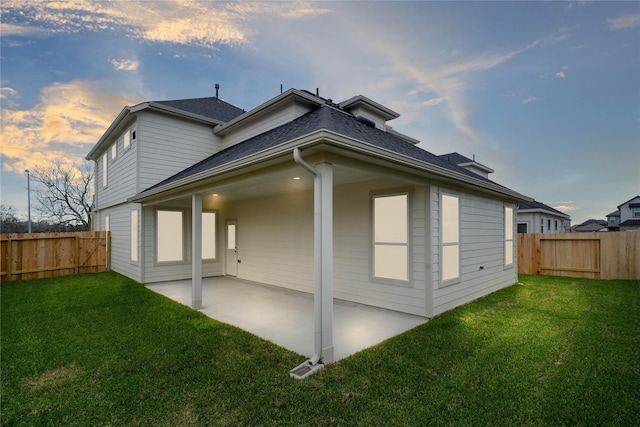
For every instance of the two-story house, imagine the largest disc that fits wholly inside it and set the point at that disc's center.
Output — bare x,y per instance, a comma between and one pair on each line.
626,217
536,217
305,194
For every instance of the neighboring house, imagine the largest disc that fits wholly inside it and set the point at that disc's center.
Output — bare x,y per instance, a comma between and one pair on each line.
629,213
536,217
613,221
590,225
199,188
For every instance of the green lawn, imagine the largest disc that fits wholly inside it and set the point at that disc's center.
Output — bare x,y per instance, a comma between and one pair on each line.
103,350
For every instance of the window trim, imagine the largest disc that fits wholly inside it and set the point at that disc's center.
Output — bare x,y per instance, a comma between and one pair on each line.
183,230
215,236
134,236
458,278
507,239
408,244
635,212
105,171
126,139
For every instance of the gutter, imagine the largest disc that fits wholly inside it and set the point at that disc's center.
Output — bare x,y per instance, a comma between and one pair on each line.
314,364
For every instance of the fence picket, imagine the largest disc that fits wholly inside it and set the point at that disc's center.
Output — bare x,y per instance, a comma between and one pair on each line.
37,255
588,255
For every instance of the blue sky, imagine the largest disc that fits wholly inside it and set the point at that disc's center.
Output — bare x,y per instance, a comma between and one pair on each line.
545,93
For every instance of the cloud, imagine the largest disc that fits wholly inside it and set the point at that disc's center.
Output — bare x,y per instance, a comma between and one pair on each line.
19,30
624,22
125,64
529,100
184,22
69,118
560,74
565,208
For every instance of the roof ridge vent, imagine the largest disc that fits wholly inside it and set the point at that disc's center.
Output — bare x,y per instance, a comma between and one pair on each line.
366,121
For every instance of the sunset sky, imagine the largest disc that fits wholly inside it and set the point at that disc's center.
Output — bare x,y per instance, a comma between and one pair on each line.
545,93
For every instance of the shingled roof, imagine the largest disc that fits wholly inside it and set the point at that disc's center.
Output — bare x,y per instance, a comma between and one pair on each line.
212,107
539,205
323,118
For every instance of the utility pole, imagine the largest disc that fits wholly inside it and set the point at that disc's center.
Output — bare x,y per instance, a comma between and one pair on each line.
28,199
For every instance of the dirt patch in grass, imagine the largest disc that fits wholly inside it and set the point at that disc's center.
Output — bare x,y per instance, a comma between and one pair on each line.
54,377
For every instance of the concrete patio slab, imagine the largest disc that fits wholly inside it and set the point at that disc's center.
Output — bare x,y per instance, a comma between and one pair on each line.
285,317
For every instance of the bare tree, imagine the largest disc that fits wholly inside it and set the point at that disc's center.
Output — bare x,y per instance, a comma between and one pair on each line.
64,194
9,222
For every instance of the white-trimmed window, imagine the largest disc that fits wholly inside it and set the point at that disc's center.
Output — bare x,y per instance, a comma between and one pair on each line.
208,235
636,212
450,241
391,237
106,223
169,236
508,236
134,236
104,170
114,151
126,139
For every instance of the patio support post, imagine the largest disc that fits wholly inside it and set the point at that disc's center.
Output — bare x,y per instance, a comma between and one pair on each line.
325,171
196,252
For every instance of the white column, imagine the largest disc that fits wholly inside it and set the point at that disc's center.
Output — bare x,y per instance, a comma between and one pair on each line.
196,252
325,170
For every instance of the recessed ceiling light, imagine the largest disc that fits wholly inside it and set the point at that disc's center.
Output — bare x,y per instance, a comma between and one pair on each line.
296,178
215,194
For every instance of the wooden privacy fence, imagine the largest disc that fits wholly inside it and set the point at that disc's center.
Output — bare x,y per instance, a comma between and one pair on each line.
38,255
613,255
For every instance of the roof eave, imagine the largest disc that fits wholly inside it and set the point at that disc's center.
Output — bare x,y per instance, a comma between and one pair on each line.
97,148
330,137
544,211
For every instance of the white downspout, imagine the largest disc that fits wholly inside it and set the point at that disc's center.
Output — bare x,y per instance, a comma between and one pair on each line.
317,252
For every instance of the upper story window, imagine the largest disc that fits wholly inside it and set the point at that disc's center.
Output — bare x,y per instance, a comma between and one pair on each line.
391,237
636,212
114,150
450,237
126,139
104,170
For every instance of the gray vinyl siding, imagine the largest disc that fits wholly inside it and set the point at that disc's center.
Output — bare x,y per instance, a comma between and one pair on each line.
121,176
275,245
481,245
353,258
120,226
275,239
168,145
159,272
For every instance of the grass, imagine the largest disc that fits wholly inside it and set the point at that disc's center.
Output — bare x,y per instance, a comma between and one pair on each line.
103,350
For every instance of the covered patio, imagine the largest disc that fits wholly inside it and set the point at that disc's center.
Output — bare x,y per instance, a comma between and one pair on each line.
285,317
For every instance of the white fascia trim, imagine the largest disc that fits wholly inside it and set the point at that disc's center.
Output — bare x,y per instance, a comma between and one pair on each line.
96,151
291,93
361,99
477,165
544,211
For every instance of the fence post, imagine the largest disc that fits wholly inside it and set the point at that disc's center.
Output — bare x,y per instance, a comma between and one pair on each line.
77,255
537,255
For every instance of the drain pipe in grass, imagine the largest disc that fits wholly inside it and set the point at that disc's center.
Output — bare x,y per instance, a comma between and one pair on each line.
315,363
